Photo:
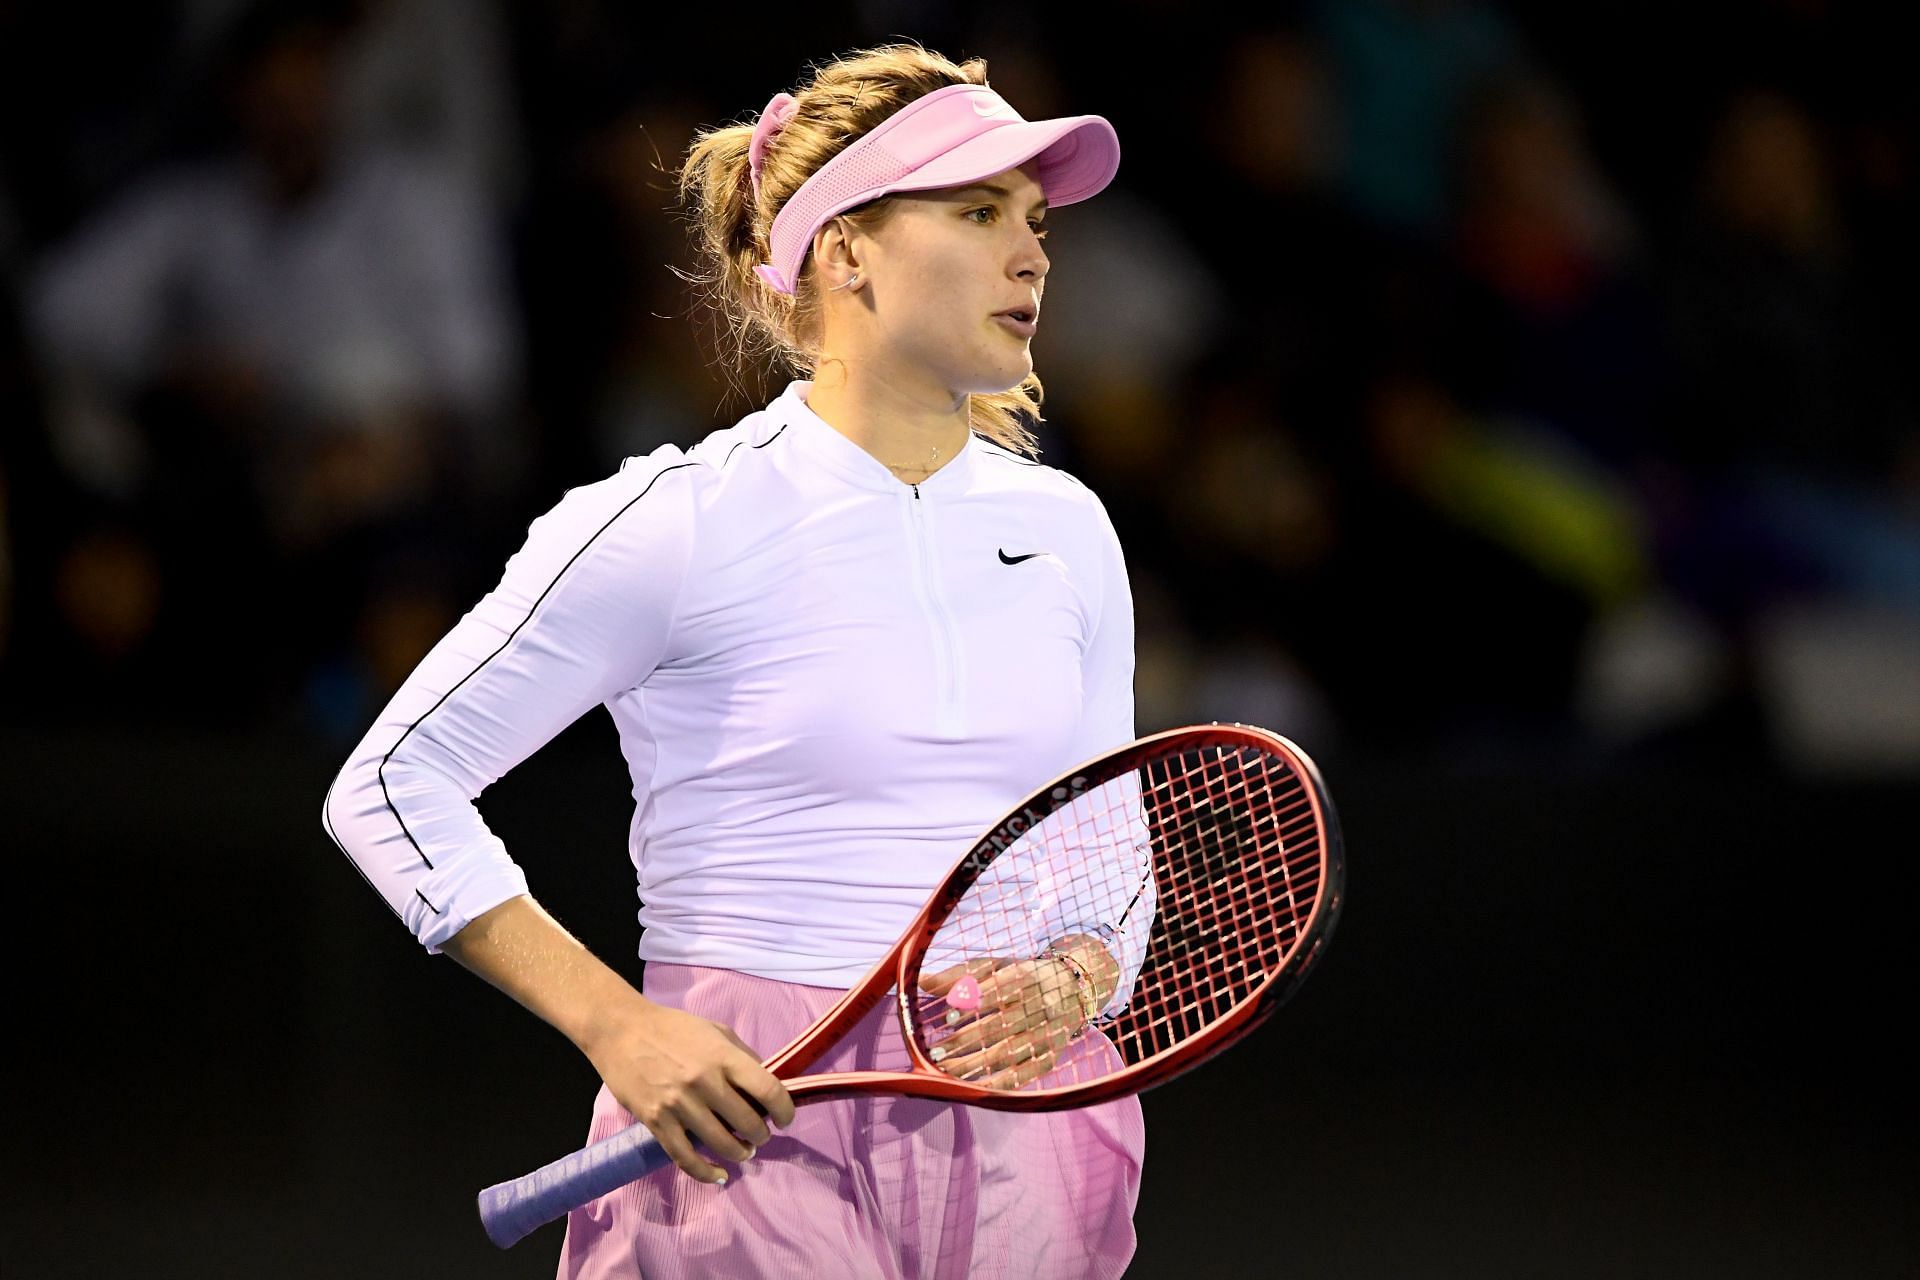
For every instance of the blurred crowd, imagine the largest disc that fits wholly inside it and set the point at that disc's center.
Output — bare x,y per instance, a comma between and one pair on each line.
1461,376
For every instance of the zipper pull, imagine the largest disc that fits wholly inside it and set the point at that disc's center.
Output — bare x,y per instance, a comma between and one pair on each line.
916,491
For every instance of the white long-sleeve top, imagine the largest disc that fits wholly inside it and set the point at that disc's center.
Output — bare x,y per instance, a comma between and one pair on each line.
827,684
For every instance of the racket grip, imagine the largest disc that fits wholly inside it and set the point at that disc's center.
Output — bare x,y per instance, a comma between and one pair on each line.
509,1210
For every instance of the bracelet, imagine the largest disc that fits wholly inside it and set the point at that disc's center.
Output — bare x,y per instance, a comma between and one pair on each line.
1089,1002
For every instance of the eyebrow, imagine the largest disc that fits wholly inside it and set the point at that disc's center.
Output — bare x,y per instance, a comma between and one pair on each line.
1000,193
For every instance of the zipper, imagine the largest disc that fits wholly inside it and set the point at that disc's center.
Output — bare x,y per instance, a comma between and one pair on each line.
946,650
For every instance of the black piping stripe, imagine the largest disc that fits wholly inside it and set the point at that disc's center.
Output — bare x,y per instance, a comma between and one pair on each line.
326,820
1000,452
736,446
382,771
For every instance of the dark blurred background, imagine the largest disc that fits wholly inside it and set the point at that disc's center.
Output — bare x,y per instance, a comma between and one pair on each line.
1515,404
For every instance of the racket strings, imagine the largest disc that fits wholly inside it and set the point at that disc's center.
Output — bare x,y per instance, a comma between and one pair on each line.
1239,867
1199,871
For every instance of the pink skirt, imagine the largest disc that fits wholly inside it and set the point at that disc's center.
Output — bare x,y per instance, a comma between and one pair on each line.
870,1188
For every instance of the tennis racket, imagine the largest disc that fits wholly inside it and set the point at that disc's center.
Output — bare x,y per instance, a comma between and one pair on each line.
1206,864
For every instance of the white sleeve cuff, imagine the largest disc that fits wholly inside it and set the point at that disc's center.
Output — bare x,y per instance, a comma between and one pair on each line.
462,890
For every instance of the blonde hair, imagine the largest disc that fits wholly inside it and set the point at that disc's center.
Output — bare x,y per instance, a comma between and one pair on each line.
845,100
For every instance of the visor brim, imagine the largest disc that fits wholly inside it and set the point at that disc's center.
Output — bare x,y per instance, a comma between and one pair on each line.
1077,155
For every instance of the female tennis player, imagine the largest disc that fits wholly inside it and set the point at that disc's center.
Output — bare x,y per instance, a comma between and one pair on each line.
838,638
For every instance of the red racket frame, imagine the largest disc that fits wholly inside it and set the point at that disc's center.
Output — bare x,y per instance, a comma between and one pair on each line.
899,969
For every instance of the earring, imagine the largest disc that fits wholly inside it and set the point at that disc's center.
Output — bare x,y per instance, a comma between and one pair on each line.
852,279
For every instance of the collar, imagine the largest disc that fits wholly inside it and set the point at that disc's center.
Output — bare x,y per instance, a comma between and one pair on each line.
822,443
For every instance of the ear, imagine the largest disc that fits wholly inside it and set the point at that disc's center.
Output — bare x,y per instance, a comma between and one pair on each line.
838,250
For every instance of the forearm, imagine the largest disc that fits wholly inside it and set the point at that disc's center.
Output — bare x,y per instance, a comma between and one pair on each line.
526,953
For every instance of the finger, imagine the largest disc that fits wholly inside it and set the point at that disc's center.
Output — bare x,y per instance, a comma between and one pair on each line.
994,1025
964,1067
735,1040
966,1003
765,1089
737,1109
939,983
1038,1055
1000,1066
980,996
962,1052
971,1037
998,1056
762,1088
1003,1023
1023,1072
674,1140
711,1132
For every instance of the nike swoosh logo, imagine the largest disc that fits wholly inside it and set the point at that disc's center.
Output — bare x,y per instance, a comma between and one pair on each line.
988,107
1007,559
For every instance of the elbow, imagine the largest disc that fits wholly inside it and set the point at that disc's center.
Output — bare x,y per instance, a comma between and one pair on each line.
326,811
327,822
343,799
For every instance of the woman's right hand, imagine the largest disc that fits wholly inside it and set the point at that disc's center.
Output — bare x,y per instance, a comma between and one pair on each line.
687,1080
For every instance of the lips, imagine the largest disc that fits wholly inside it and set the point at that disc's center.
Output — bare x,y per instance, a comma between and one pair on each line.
1024,321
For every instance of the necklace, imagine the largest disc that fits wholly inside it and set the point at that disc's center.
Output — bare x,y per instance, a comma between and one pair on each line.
926,466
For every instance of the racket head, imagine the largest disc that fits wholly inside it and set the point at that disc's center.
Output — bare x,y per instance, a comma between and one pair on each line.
1220,840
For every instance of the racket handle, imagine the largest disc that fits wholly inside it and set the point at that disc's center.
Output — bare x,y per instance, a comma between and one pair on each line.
509,1210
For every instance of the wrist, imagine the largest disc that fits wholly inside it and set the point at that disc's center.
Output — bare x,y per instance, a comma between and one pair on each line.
1081,985
1093,957
607,1013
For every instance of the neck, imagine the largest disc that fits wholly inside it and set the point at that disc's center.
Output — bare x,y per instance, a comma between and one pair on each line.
912,431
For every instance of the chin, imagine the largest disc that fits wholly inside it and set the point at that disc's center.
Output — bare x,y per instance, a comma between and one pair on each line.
1002,379
989,369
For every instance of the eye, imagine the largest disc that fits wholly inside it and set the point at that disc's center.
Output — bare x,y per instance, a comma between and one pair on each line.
1039,229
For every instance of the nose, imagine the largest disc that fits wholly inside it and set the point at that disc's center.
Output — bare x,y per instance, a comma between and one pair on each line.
1030,263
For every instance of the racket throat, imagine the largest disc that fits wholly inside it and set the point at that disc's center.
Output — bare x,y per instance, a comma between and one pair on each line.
807,1048
844,1084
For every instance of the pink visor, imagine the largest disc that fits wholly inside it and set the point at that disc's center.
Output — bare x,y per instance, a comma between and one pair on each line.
952,136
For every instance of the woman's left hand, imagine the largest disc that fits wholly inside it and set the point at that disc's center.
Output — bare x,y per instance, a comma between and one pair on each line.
1027,1012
